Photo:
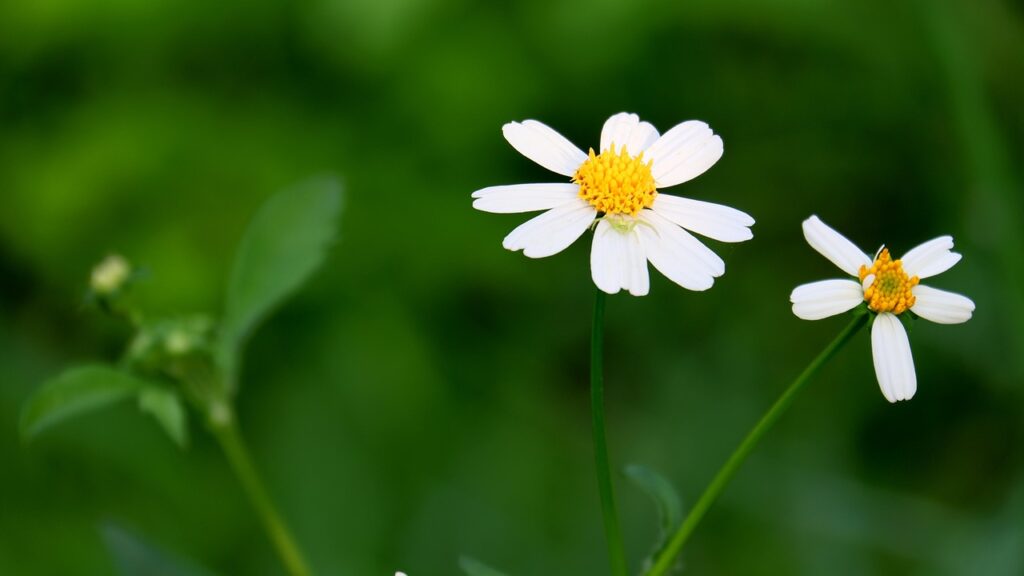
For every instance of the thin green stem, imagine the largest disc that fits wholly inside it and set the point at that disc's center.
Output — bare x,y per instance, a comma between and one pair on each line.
612,531
238,456
725,474
120,311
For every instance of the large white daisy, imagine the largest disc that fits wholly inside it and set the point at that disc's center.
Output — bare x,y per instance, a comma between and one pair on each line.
618,189
890,288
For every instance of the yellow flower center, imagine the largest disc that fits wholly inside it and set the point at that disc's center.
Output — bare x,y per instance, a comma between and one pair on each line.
616,183
891,290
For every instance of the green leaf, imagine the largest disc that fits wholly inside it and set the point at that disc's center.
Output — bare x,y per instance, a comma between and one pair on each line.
73,392
166,406
134,556
476,568
284,244
666,499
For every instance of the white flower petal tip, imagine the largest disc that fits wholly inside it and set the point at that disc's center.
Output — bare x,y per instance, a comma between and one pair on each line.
940,306
677,254
826,298
543,145
894,364
523,197
714,221
617,260
834,246
625,130
931,258
684,152
552,231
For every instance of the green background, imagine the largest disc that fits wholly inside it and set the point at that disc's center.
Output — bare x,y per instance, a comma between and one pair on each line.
425,396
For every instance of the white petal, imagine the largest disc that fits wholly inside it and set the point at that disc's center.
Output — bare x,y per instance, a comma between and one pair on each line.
617,260
834,246
941,306
544,146
867,282
894,365
552,231
712,220
523,197
826,298
931,258
678,255
683,153
626,130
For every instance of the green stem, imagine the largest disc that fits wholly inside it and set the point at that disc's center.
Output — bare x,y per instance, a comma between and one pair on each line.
119,311
727,471
231,441
612,532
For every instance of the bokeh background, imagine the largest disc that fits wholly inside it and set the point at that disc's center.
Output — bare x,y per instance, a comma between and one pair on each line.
425,396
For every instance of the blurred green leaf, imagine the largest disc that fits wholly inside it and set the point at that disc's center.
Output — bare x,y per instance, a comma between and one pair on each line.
666,499
285,243
133,556
476,568
165,404
75,391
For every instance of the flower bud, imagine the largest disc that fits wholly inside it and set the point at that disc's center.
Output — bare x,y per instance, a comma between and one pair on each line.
178,342
110,275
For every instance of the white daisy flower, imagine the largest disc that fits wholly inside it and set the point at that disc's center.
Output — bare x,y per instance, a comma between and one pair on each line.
618,189
890,288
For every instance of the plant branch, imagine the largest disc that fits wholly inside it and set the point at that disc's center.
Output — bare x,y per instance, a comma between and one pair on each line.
725,474
227,434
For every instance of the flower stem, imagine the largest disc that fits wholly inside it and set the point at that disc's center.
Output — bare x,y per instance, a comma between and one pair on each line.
234,447
725,474
612,531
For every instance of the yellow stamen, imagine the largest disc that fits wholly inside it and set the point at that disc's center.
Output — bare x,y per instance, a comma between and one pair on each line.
616,183
892,289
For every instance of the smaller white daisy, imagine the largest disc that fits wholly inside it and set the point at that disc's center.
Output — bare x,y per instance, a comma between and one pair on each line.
618,189
890,288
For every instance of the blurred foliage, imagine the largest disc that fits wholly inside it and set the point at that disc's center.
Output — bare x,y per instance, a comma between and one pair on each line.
76,391
667,501
426,396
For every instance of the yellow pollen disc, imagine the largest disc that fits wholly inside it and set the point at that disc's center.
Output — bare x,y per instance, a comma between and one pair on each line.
891,290
616,183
